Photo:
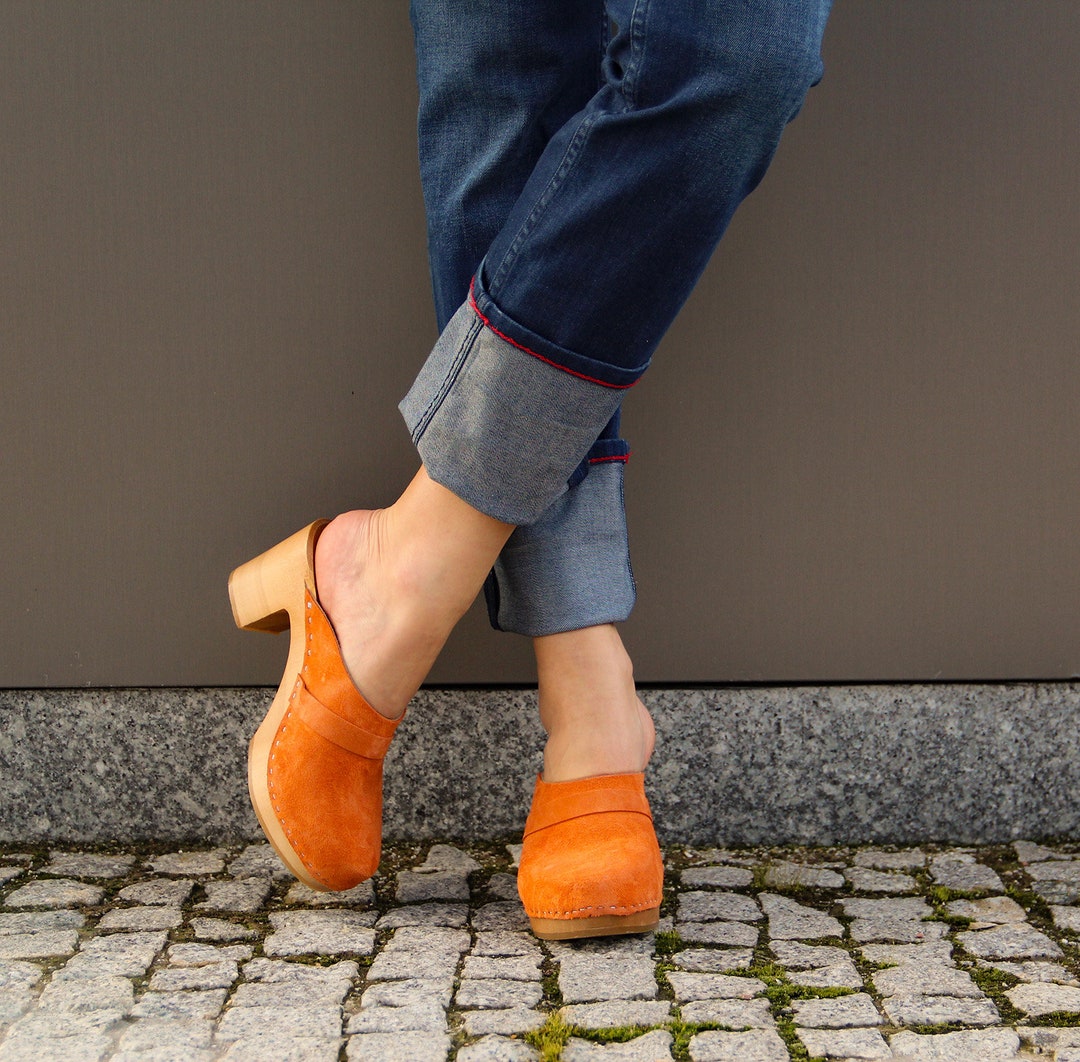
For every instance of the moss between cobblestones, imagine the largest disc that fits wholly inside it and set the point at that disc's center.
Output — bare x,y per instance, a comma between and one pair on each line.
550,1039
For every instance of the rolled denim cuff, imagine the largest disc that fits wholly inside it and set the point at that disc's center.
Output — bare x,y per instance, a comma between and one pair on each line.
500,426
571,568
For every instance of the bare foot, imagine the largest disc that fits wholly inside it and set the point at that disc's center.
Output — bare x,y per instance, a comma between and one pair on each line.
395,581
595,720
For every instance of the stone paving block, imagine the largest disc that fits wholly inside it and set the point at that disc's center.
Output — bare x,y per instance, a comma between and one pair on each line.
88,865
500,915
495,994
179,1035
55,892
239,894
117,954
598,970
843,1012
442,915
713,960
722,855
652,1046
165,1054
734,1013
39,921
503,886
880,859
425,1015
50,944
935,1010
929,979
1065,870
498,1049
1066,917
88,1047
16,974
141,918
932,951
507,968
87,994
211,929
847,1044
362,895
10,874
837,975
330,932
199,863
13,1003
757,1045
204,954
1010,941
717,907
1057,892
1035,972
161,892
901,930
909,908
60,1023
866,880
992,909
317,1022
398,1047
729,877
402,993
188,978
318,979
789,920
1030,852
734,933
783,874
414,886
283,1048
506,1022
612,1014
180,1006
690,986
966,1045
448,857
795,956
503,942
258,860
964,872
1039,999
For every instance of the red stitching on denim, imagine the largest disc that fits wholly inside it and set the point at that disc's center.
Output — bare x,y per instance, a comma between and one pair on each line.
616,457
539,357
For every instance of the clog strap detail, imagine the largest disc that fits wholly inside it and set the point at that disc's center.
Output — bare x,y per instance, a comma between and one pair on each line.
555,802
327,723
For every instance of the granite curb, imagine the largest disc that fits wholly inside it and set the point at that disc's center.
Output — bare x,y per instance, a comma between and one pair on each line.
945,952
971,763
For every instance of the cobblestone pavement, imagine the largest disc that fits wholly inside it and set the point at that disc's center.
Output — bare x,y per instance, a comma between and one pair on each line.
933,952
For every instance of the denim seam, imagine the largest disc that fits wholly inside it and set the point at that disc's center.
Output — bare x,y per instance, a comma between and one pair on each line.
539,357
448,381
629,565
570,156
638,39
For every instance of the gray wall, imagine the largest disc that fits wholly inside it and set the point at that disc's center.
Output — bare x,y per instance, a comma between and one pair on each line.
856,455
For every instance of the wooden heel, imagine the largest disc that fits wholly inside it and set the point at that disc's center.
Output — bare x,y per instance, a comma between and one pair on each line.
268,589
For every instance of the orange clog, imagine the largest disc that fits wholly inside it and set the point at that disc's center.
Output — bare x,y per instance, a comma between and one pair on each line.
315,762
590,863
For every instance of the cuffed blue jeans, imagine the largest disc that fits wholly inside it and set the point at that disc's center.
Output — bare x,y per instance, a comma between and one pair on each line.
580,162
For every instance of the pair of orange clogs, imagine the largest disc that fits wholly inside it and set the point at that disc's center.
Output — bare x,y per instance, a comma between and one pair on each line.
590,862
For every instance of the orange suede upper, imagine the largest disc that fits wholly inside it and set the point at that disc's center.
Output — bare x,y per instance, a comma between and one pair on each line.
325,765
590,849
